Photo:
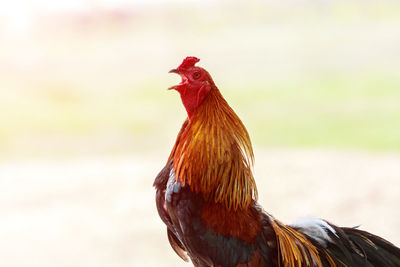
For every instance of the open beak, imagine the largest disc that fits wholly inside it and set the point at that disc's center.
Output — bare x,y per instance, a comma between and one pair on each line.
174,86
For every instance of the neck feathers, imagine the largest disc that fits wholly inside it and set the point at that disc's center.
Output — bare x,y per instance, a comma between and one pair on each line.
214,156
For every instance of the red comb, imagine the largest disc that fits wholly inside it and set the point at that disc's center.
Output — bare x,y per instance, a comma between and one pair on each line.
188,62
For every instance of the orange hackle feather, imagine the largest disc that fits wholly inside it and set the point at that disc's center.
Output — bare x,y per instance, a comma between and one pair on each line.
214,156
295,250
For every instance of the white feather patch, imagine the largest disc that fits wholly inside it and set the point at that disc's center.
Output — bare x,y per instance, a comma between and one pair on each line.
170,187
315,228
171,178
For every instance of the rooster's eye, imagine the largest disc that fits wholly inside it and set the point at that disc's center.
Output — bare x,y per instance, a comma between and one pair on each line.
196,75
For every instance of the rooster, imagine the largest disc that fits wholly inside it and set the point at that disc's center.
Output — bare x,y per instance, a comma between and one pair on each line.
207,197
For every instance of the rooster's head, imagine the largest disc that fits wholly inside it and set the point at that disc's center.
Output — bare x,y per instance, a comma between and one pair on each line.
195,85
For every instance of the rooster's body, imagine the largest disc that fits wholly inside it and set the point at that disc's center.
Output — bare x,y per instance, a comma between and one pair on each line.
206,195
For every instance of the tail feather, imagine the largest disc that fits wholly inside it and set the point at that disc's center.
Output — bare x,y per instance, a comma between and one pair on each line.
376,250
348,247
353,247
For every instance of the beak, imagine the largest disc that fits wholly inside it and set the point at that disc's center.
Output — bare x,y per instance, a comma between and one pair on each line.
177,72
174,71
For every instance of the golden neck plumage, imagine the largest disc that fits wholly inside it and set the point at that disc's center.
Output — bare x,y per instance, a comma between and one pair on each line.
214,156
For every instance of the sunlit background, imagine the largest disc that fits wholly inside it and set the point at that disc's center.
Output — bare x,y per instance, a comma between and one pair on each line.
86,121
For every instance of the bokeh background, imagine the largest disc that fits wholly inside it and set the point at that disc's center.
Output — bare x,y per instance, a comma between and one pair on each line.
86,121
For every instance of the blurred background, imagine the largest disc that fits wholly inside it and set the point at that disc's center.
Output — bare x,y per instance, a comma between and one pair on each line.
86,121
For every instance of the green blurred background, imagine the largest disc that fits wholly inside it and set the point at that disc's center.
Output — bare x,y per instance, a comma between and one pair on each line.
300,73
83,95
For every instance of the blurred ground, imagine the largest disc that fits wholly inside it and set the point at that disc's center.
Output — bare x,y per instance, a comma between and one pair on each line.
101,211
86,121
